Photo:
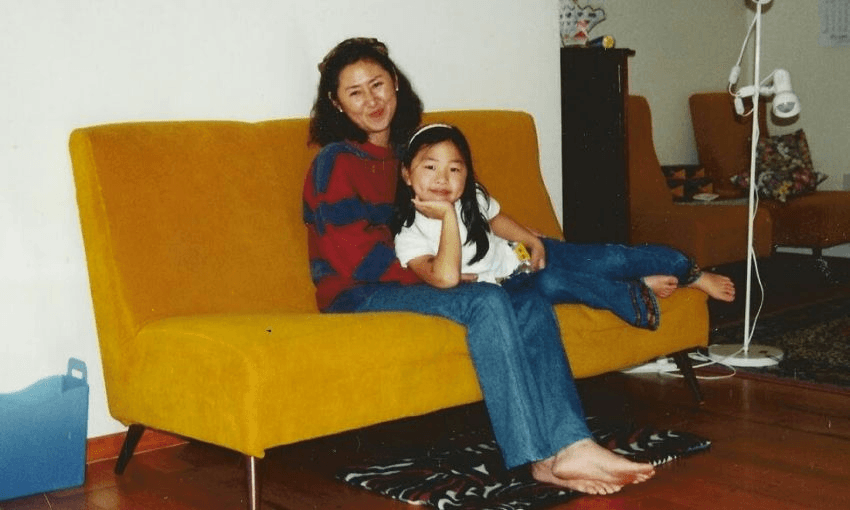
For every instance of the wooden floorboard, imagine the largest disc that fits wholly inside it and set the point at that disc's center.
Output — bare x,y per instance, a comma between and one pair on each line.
774,446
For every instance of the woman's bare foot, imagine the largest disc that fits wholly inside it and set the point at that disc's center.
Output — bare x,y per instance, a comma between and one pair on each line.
661,285
587,467
716,285
542,472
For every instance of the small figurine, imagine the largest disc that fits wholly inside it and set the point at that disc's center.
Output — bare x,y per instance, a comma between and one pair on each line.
577,22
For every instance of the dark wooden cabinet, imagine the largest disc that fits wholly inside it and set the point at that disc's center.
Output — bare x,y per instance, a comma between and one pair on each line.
594,92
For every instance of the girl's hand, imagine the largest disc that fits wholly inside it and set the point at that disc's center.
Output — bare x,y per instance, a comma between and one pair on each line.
537,252
469,277
435,209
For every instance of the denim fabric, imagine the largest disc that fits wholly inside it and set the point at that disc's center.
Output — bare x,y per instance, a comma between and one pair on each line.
513,334
608,276
515,345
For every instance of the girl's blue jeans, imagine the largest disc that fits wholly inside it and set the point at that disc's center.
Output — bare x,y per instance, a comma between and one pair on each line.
513,334
608,276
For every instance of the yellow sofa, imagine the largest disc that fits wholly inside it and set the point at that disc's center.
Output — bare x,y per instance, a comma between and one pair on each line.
205,312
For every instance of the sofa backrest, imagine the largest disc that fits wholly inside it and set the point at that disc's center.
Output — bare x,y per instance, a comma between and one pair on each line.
184,218
506,158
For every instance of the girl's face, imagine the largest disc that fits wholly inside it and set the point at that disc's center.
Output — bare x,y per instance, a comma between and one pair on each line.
437,172
367,95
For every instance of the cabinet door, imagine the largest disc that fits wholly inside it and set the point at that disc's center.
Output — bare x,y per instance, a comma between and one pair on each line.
594,88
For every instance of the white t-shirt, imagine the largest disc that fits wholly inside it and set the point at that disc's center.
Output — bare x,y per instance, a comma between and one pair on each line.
423,238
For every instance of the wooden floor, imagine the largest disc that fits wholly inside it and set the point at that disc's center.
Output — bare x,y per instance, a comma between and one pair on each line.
787,281
775,446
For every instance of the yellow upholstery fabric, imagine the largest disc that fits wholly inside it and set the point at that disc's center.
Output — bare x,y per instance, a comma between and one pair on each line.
712,234
204,306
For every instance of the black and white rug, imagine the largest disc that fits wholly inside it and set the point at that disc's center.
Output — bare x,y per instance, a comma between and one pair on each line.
467,473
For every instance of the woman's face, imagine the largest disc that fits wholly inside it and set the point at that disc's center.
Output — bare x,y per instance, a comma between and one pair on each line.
437,173
367,95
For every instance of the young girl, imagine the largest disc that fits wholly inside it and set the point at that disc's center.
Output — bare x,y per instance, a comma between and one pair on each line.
450,230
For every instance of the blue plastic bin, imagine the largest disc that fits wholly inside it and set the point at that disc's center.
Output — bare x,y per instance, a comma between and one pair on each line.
43,434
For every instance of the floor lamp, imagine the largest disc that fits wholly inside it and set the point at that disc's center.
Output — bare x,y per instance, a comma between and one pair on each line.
785,104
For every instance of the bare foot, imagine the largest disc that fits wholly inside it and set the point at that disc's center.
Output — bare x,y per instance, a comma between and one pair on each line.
588,467
542,472
662,285
716,285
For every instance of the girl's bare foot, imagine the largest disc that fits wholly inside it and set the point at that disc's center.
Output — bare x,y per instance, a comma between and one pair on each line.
716,285
661,285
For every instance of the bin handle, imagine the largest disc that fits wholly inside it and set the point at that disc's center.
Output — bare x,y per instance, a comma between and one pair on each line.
78,365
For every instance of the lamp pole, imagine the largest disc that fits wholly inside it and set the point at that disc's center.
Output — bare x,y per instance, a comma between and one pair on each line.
761,355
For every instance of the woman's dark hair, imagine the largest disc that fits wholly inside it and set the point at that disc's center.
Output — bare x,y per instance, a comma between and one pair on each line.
473,219
327,124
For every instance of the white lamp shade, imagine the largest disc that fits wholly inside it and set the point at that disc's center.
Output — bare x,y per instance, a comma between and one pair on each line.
785,102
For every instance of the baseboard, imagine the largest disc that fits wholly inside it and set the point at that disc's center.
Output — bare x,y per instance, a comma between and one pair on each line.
108,447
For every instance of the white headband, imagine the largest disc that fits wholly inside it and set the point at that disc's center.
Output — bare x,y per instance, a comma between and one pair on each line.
426,128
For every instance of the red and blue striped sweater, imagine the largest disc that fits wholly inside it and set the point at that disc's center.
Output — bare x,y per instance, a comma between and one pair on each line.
348,200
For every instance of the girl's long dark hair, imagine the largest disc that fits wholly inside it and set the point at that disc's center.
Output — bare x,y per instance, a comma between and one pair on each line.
473,219
327,124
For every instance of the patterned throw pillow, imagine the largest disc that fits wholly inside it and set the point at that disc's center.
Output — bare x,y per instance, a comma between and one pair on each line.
685,181
783,167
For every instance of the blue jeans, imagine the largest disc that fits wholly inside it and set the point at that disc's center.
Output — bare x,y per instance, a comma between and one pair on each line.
515,345
608,276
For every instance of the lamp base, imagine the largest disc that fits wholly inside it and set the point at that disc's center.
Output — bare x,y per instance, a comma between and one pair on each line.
755,356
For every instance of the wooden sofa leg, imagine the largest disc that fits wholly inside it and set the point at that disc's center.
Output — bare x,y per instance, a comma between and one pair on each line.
683,361
134,433
254,485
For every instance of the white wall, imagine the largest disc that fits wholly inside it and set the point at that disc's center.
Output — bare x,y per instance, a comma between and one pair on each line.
67,64
680,48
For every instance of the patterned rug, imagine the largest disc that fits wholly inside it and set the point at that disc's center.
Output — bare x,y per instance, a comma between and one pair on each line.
815,341
467,473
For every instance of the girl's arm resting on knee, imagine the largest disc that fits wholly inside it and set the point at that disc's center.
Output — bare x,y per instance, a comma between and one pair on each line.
443,269
506,228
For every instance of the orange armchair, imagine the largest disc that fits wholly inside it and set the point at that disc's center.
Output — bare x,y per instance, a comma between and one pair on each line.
817,220
711,233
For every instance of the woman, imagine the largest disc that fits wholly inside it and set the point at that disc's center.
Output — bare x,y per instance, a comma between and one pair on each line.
365,110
